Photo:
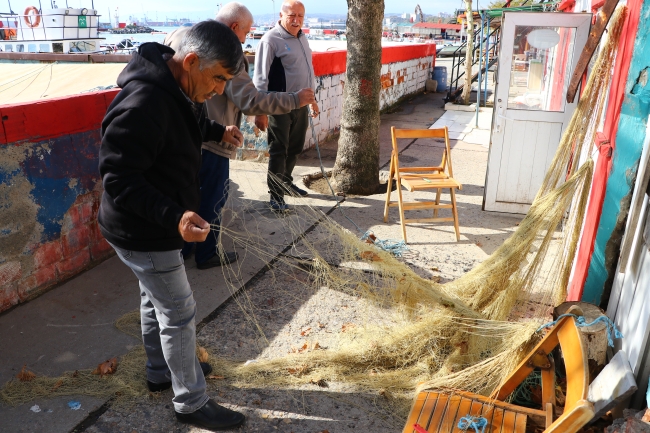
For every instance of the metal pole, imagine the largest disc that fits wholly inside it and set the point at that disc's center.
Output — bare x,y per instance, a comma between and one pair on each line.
480,66
487,59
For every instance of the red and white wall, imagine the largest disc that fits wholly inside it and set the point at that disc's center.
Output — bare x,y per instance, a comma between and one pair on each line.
404,72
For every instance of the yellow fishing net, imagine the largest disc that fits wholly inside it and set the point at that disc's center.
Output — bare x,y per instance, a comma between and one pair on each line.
467,334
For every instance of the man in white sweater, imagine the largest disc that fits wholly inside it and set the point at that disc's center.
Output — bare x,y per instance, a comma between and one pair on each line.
283,64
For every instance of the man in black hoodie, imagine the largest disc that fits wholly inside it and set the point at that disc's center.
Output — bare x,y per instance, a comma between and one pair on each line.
149,161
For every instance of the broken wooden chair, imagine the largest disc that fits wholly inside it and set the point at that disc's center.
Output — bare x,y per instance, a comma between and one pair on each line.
441,411
422,178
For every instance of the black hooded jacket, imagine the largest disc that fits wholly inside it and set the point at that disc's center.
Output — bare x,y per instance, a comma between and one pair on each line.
150,155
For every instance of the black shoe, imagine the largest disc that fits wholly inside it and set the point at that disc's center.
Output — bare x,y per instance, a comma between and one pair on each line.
213,417
219,260
294,190
157,387
278,205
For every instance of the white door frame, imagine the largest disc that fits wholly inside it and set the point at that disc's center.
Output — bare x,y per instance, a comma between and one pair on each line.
506,123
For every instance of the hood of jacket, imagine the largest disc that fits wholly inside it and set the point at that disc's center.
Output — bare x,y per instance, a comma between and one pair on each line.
148,65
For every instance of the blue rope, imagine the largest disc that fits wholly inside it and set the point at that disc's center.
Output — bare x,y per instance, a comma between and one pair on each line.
581,323
394,247
475,422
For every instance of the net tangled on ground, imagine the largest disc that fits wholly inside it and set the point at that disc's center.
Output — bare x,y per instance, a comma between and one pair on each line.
466,334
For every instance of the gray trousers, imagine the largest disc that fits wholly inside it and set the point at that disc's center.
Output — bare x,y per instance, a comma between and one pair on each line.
167,311
286,138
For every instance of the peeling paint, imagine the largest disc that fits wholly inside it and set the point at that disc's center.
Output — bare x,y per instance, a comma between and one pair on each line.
630,136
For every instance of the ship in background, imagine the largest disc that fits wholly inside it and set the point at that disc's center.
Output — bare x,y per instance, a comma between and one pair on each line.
55,30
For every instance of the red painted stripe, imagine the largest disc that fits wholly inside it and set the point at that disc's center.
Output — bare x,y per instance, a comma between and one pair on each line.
329,63
604,164
334,62
401,53
596,4
50,118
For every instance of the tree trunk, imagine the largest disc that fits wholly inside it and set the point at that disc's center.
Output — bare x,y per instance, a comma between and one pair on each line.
356,170
469,58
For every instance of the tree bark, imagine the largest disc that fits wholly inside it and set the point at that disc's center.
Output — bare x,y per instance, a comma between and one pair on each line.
467,88
356,170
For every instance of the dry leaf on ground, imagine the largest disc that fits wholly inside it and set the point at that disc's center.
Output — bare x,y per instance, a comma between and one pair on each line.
298,371
212,376
25,375
107,367
320,382
369,255
57,385
202,354
347,326
371,239
305,332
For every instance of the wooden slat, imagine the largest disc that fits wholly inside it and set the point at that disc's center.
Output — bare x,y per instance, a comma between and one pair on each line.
427,220
548,385
520,423
421,205
497,421
575,362
420,133
415,412
420,185
503,405
438,414
509,419
549,414
433,205
447,424
487,412
427,409
431,169
463,410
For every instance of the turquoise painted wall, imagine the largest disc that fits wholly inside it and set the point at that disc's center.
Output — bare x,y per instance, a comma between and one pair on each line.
629,144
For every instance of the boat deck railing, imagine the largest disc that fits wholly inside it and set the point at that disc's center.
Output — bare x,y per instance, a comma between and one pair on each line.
51,26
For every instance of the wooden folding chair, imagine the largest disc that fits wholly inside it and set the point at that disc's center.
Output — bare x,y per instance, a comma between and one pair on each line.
441,411
421,178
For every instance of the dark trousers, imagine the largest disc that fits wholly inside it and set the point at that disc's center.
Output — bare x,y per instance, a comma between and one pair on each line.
286,138
214,174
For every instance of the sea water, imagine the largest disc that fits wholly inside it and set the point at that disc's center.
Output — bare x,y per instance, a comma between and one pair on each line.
319,45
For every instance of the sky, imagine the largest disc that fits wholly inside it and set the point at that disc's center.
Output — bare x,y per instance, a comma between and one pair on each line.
201,9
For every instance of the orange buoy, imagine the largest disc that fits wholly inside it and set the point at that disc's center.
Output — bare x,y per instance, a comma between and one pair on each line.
27,16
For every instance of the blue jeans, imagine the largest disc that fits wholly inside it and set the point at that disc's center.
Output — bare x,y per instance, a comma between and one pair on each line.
214,174
167,311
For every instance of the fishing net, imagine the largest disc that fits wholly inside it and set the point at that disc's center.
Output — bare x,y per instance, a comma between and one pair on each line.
466,334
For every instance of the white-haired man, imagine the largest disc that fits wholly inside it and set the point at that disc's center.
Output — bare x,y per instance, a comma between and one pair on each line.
240,96
283,63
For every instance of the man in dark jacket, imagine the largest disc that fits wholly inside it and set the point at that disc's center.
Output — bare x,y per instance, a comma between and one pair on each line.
149,161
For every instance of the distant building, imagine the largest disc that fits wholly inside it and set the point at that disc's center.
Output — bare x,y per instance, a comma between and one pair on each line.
437,30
